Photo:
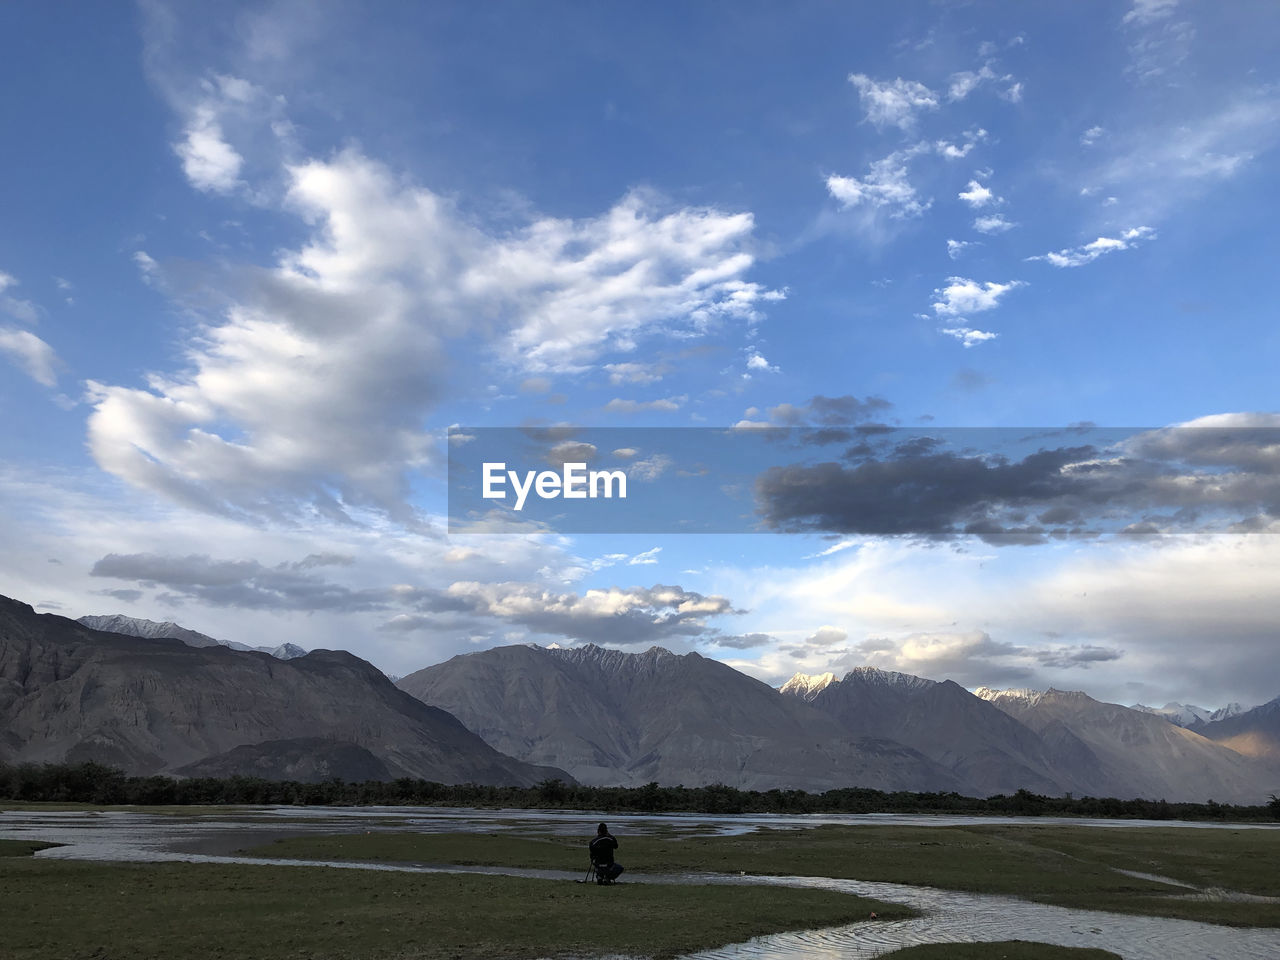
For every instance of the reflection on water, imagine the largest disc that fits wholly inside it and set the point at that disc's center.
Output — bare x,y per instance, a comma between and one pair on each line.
954,917
947,916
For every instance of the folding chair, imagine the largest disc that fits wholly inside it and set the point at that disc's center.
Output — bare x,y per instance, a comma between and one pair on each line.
594,873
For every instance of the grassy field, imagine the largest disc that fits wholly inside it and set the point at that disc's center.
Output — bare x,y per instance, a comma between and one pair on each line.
1067,866
1003,950
59,909
22,848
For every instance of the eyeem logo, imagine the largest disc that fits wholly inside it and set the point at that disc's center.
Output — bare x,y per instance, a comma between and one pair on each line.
574,482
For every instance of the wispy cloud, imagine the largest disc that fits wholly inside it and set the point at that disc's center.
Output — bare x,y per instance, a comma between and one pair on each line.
894,102
1090,136
1088,252
31,354
22,310
1149,11
886,186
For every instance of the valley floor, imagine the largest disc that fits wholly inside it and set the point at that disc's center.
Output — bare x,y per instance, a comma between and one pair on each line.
359,883
1223,876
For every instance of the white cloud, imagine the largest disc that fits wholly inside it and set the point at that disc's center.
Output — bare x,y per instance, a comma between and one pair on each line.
969,336
663,405
961,296
1087,253
951,151
209,162
314,385
1090,136
650,468
758,364
31,354
957,247
585,287
966,81
893,103
638,373
977,195
995,223
885,187
147,267
647,557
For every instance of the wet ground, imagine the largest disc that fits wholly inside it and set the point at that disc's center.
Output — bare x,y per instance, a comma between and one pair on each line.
947,916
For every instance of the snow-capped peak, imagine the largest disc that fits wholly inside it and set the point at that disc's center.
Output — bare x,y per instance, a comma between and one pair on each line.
889,678
1188,715
1182,714
989,693
1232,709
806,686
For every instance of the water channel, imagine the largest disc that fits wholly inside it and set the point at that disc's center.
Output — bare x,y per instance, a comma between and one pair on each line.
946,916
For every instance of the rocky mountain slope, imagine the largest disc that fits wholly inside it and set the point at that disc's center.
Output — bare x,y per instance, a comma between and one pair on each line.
980,744
1138,754
620,718
69,693
1255,733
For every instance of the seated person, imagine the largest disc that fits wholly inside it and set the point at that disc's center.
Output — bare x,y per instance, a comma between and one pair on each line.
601,849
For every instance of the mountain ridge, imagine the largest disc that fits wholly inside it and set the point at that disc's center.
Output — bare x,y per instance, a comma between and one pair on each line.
167,629
148,705
611,717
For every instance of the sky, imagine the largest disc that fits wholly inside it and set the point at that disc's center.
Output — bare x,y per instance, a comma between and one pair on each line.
963,312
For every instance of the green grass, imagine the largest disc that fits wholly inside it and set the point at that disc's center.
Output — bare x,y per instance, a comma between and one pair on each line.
1003,950
1066,866
22,848
59,909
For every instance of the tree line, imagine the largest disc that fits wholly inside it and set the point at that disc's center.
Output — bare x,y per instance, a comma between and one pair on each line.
94,783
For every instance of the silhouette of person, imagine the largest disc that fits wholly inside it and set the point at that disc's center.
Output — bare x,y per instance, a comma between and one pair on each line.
601,849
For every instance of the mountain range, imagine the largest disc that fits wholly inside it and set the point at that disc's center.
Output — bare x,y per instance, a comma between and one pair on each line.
135,698
69,693
610,717
1190,716
1132,753
618,718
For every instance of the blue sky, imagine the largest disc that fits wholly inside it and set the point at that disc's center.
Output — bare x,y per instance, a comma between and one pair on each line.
255,260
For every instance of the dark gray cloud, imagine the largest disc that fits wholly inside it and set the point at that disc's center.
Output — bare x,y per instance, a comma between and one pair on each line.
823,411
743,641
241,583
123,595
913,491
942,484
1078,656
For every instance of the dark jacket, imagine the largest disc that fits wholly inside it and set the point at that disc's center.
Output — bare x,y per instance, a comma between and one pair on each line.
602,848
